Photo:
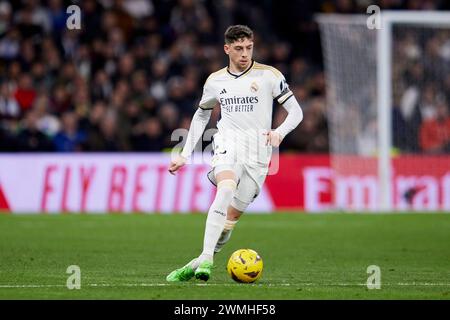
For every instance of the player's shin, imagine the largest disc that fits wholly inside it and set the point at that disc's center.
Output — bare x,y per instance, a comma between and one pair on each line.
216,219
225,236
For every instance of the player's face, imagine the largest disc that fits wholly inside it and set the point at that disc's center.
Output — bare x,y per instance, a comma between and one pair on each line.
240,53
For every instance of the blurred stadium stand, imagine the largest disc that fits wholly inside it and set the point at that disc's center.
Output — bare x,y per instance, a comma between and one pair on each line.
135,70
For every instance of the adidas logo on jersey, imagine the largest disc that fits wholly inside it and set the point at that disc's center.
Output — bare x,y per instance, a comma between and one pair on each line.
223,91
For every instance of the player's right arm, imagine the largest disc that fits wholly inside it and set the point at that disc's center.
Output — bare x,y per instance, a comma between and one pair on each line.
197,127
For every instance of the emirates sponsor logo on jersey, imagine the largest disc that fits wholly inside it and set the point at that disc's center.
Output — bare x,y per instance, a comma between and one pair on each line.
238,104
238,100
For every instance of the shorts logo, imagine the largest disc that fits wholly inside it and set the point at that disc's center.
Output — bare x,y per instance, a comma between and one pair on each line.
254,87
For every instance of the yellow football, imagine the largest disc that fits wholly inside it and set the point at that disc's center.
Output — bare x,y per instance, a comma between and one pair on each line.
245,265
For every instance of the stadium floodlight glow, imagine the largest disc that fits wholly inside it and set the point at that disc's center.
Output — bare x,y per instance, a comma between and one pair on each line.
359,61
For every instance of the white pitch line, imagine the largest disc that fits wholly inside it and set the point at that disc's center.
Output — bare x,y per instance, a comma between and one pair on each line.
31,286
406,284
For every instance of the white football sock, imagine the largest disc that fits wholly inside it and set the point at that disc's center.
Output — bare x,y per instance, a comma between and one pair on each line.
226,235
217,216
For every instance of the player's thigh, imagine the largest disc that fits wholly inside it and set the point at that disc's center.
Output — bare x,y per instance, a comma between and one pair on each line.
226,175
228,171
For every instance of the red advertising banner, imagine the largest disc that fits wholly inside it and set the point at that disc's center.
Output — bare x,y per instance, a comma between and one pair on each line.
302,182
322,183
129,183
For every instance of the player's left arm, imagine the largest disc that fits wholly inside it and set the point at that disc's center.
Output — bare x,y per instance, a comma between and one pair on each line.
286,98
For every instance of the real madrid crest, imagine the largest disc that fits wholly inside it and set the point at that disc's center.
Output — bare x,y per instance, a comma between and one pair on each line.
254,87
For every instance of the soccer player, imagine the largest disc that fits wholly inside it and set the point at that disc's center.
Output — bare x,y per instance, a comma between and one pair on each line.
242,147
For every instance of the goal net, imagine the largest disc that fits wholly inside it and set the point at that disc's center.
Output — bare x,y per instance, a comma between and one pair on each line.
388,94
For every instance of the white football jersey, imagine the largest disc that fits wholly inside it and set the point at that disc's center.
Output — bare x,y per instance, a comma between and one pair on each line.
246,102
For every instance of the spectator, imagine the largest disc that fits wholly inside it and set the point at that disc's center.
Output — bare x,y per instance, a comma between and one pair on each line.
151,137
9,108
30,138
169,119
25,93
8,141
187,14
60,101
129,121
435,133
312,135
138,8
27,27
106,137
70,138
47,123
58,16
5,16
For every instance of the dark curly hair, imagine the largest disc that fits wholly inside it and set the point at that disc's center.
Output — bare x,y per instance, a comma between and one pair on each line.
236,32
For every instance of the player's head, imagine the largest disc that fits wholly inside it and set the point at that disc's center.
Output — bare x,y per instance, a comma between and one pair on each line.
239,45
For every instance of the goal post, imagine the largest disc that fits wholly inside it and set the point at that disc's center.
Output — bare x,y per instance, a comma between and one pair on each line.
384,105
361,69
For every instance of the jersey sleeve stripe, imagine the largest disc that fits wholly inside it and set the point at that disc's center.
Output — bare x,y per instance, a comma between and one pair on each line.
283,95
284,92
284,98
266,67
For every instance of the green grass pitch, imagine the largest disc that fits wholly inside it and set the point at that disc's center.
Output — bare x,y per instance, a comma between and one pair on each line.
305,256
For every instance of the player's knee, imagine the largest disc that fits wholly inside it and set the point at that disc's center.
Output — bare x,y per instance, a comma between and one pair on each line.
227,185
225,190
239,206
224,173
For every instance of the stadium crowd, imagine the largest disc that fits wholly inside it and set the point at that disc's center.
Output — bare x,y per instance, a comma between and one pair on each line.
134,71
421,114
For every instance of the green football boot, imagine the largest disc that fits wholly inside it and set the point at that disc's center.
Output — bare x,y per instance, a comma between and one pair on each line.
182,274
204,270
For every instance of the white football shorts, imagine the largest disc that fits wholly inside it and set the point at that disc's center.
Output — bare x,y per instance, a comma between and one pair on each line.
250,177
